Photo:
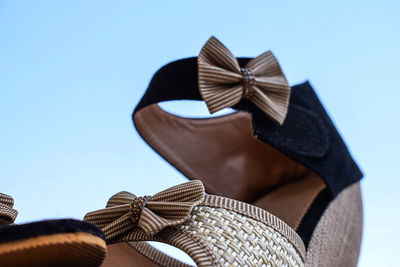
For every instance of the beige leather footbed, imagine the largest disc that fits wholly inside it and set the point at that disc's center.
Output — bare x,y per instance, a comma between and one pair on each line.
231,161
224,154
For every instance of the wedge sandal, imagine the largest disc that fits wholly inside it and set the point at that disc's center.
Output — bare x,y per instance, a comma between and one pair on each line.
279,152
48,243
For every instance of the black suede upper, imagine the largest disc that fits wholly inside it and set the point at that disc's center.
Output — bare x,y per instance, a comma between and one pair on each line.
308,135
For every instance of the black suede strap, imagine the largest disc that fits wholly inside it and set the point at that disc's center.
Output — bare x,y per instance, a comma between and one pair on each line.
308,135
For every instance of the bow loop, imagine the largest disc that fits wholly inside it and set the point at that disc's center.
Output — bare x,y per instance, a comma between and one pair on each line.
126,212
214,53
222,83
120,198
7,213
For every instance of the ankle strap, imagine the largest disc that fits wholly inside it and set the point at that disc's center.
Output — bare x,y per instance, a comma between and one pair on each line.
308,135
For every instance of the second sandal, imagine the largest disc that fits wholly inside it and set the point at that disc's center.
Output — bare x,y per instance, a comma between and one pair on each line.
48,243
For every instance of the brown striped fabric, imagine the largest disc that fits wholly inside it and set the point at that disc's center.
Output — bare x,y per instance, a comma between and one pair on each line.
7,213
222,83
167,208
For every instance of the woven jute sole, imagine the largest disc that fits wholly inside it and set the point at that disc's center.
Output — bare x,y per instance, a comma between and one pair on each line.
66,249
336,240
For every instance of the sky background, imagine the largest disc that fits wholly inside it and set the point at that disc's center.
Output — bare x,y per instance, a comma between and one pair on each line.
71,73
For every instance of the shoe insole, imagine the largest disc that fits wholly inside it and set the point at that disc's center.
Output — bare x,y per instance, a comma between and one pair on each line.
231,161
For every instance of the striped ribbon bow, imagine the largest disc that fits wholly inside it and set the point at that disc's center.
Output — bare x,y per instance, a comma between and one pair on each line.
222,83
7,213
127,215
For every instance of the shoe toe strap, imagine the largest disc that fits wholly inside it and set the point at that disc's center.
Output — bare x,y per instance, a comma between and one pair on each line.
217,232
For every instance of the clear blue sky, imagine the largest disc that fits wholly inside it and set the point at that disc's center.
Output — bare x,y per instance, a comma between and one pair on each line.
71,73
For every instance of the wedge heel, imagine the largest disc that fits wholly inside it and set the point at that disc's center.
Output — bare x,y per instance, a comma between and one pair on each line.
337,237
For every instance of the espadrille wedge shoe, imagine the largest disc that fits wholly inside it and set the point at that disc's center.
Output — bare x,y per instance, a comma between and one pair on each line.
48,243
279,152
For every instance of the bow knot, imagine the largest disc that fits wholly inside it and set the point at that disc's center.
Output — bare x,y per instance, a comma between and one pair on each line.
127,216
137,206
249,82
222,83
